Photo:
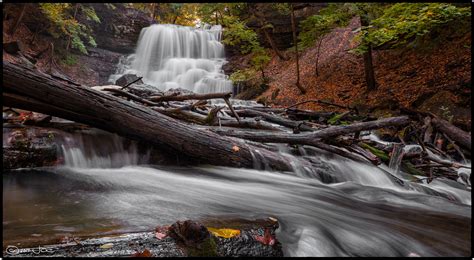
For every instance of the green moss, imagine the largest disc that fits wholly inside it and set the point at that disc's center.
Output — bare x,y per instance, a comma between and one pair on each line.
410,168
207,248
379,153
333,120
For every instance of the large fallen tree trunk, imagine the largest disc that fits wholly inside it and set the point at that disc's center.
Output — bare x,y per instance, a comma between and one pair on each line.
32,90
312,138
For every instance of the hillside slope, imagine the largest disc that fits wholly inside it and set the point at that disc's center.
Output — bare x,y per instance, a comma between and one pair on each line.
436,80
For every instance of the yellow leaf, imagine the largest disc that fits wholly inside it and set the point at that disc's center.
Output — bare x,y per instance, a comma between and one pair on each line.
107,246
235,148
224,232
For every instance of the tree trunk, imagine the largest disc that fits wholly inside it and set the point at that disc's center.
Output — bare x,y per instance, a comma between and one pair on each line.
268,36
273,44
153,8
295,43
32,90
317,55
18,21
368,66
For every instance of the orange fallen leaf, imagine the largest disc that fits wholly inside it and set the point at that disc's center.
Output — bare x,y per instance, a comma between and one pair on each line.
161,232
235,148
145,253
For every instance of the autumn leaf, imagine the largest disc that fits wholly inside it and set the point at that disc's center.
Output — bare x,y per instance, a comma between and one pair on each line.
266,239
224,232
106,246
145,253
235,148
161,232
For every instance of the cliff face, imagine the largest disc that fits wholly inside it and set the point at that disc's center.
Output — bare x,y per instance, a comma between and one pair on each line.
119,28
116,35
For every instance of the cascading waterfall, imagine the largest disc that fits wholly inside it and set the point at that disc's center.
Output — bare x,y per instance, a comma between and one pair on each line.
172,56
99,150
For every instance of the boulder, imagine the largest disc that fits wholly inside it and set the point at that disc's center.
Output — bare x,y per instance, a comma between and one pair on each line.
127,79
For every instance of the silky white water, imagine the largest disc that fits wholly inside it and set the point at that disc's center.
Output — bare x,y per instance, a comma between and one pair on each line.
363,212
172,56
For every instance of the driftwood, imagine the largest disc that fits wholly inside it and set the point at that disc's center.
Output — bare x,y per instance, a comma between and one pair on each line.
211,119
190,97
131,96
129,84
28,89
459,136
311,138
274,119
186,124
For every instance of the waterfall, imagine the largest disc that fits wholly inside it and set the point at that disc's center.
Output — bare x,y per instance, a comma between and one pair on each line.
99,150
172,56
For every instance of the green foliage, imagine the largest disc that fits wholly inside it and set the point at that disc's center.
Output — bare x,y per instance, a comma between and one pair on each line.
63,23
242,75
282,8
404,23
236,33
90,13
332,16
70,59
260,58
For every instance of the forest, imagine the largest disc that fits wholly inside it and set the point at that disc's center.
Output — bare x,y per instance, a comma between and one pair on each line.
237,129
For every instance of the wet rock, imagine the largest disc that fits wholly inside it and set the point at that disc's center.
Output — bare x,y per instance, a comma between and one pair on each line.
11,47
189,232
14,158
186,238
127,79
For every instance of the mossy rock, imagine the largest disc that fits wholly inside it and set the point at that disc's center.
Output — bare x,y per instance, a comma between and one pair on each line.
208,247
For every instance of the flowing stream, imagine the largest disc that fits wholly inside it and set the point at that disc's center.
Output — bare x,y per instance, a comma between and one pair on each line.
364,213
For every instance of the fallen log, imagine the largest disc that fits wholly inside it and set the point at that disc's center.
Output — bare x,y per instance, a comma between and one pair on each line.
459,136
29,89
190,97
131,96
274,119
312,138
192,117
